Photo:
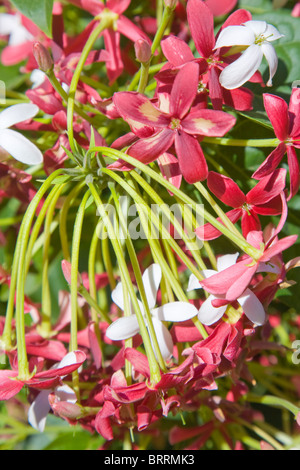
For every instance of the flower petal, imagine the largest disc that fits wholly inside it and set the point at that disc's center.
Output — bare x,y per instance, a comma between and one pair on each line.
208,122
184,90
252,307
193,283
176,51
225,189
208,314
170,169
272,59
278,247
164,338
201,23
137,107
225,261
38,411
267,188
236,35
123,328
272,33
175,312
258,27
191,158
271,162
209,232
147,150
17,113
20,147
294,170
117,296
242,69
220,8
151,280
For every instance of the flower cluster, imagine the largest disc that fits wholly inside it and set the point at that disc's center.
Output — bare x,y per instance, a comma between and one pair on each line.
126,329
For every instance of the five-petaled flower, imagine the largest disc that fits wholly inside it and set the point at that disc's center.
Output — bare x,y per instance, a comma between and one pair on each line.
11,384
215,306
266,198
211,62
128,326
173,121
234,280
256,36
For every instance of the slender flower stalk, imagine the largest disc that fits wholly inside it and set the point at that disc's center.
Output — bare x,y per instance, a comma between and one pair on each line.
103,24
18,278
155,372
244,246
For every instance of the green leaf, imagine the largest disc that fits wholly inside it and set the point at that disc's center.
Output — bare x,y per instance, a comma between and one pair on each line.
38,11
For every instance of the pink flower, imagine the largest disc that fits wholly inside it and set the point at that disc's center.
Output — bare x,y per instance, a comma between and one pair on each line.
234,280
10,385
263,199
286,123
174,122
296,10
212,62
212,310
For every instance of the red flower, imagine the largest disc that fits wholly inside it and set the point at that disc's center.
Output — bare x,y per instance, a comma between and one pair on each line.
263,199
233,281
174,123
178,53
286,123
10,384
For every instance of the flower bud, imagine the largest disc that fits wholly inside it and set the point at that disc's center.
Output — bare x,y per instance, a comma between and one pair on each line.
42,57
142,50
65,409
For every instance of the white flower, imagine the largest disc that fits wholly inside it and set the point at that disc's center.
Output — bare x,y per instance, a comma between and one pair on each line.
127,327
12,25
208,314
257,35
15,143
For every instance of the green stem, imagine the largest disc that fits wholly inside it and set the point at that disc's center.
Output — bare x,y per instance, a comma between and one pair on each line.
74,269
154,369
38,223
105,22
92,286
138,276
74,285
152,70
146,216
242,142
19,275
156,221
241,243
166,17
64,95
63,219
143,77
172,218
274,401
45,327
